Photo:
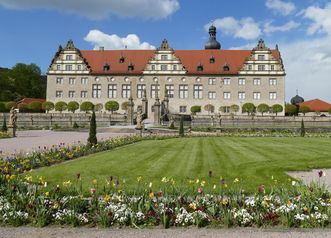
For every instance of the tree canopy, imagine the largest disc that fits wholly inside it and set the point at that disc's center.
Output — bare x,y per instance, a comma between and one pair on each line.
263,108
248,107
277,108
112,106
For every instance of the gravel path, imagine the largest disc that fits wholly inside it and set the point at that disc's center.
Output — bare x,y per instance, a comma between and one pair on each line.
27,232
312,176
31,140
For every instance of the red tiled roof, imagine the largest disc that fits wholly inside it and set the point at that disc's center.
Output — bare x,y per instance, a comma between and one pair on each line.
29,100
97,59
189,58
317,105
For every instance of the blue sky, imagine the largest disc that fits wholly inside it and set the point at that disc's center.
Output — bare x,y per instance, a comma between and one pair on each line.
31,30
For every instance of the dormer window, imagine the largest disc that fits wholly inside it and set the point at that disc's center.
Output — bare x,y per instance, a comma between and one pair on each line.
212,60
200,68
130,67
122,60
261,57
68,57
226,67
106,67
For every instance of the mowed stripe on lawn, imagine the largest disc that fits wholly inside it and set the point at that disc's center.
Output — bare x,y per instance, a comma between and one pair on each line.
252,160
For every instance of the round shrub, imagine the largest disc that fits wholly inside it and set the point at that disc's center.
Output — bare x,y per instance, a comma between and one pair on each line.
263,108
112,106
249,108
125,106
10,105
35,106
60,106
277,108
47,106
73,106
195,109
86,106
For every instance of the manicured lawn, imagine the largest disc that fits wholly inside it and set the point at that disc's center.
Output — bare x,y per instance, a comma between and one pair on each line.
253,160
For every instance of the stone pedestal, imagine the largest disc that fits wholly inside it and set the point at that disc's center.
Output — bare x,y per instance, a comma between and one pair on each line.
12,131
157,112
130,111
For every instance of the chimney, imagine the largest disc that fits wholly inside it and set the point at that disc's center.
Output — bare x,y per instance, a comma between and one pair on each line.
101,48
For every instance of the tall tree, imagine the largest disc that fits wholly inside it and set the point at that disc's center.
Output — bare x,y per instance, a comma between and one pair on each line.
92,139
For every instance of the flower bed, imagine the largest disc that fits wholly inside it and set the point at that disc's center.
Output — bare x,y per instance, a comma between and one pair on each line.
25,202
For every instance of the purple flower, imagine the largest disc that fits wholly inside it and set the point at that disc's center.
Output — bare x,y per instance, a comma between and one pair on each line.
200,190
210,173
93,190
222,181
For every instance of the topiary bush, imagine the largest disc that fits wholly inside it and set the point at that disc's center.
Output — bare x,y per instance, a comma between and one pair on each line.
86,106
249,108
181,126
195,109
92,139
35,106
60,106
263,108
112,106
73,106
47,106
277,108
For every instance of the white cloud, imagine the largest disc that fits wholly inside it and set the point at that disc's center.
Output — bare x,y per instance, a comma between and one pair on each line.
131,41
320,17
269,28
245,28
307,64
281,7
100,9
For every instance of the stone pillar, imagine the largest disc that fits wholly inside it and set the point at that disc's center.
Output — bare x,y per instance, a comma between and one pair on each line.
130,111
157,111
166,102
145,105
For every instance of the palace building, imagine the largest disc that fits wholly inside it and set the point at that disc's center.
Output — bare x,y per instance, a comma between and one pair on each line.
181,78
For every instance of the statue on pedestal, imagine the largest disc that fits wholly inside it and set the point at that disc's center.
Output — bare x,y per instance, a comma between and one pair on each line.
139,120
13,120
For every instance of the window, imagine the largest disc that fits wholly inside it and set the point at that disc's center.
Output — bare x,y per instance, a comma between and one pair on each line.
68,67
79,67
183,91
153,67
72,80
84,81
112,91
272,67
256,81
242,81
212,81
197,91
96,90
272,82
126,90
226,81
155,88
130,67
226,68
212,60
68,57
58,67
241,95
226,95
59,94
174,67
272,96
261,57
212,95
250,67
200,68
261,67
122,60
59,80
256,96
164,67
225,109
71,94
164,57
83,94
182,109
106,68
170,90
140,90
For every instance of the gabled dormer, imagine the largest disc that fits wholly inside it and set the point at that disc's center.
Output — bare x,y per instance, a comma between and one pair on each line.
68,60
263,61
164,61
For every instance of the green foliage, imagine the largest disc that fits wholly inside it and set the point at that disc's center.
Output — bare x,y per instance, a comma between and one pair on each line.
302,129
75,125
2,107
48,106
248,107
195,109
277,108
98,107
304,109
112,106
125,106
329,111
222,109
86,106
73,106
4,125
181,126
92,139
10,105
35,106
60,106
209,108
234,108
290,109
22,81
263,108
